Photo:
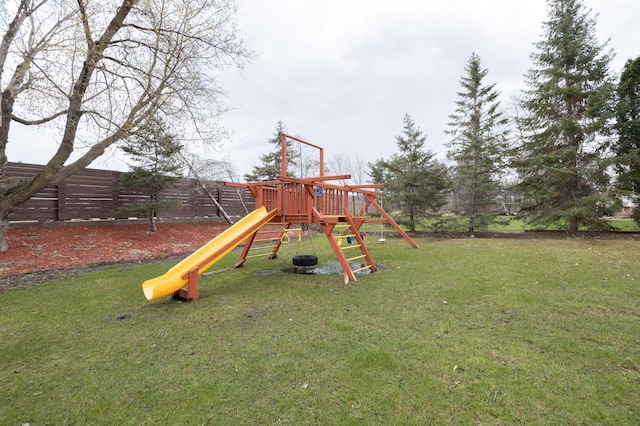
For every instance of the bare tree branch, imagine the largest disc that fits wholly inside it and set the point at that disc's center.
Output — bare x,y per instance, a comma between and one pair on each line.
95,74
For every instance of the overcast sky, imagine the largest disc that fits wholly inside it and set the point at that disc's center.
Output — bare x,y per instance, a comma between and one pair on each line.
343,73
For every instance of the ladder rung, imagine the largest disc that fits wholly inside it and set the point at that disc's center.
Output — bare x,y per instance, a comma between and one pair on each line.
263,240
350,246
262,248
362,269
257,255
357,257
268,231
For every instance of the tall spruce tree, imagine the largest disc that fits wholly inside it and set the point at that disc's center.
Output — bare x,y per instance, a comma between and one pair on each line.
627,145
414,180
271,166
567,112
478,147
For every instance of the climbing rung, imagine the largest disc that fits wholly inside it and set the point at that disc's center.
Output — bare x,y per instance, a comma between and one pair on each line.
262,248
344,237
362,269
355,258
268,231
351,246
264,240
257,255
342,226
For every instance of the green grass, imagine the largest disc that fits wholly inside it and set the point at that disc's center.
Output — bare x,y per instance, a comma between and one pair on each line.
625,225
506,224
461,331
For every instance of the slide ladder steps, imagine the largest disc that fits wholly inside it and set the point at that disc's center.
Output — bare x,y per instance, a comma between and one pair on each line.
350,247
349,240
265,242
262,254
362,256
259,245
355,271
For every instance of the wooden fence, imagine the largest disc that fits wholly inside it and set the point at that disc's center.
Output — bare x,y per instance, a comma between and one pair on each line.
94,194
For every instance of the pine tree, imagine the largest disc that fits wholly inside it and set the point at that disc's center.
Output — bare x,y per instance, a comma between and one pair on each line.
154,150
478,145
567,111
627,146
414,180
271,163
378,172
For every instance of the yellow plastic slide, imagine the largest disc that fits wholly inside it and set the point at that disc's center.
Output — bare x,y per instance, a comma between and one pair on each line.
213,251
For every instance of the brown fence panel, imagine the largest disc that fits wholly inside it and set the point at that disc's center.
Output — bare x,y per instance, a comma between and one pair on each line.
236,201
178,200
128,198
89,194
43,205
97,194
203,205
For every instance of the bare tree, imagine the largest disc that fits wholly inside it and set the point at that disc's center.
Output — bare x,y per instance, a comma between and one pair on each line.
209,174
307,162
358,170
343,165
340,165
94,72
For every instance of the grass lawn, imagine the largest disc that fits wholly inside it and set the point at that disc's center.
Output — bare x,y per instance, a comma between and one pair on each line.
509,224
460,331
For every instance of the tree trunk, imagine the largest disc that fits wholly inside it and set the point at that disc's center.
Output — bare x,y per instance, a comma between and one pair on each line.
4,228
152,221
412,221
55,171
573,225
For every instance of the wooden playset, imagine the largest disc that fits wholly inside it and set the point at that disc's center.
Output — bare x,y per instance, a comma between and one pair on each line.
281,204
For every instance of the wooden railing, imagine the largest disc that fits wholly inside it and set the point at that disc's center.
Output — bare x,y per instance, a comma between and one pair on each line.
298,200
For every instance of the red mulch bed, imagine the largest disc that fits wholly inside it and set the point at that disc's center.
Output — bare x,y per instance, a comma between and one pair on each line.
44,248
41,253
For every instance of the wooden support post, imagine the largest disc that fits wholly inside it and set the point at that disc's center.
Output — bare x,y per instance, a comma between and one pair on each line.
274,252
245,251
393,223
347,272
191,292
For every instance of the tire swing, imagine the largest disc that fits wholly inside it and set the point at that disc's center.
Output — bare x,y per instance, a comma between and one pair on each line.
304,260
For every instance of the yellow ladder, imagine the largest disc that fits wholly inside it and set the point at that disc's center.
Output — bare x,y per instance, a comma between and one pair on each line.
348,245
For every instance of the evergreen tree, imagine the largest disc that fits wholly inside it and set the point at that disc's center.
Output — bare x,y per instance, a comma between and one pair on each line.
154,150
478,145
567,110
271,166
378,171
414,181
627,146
